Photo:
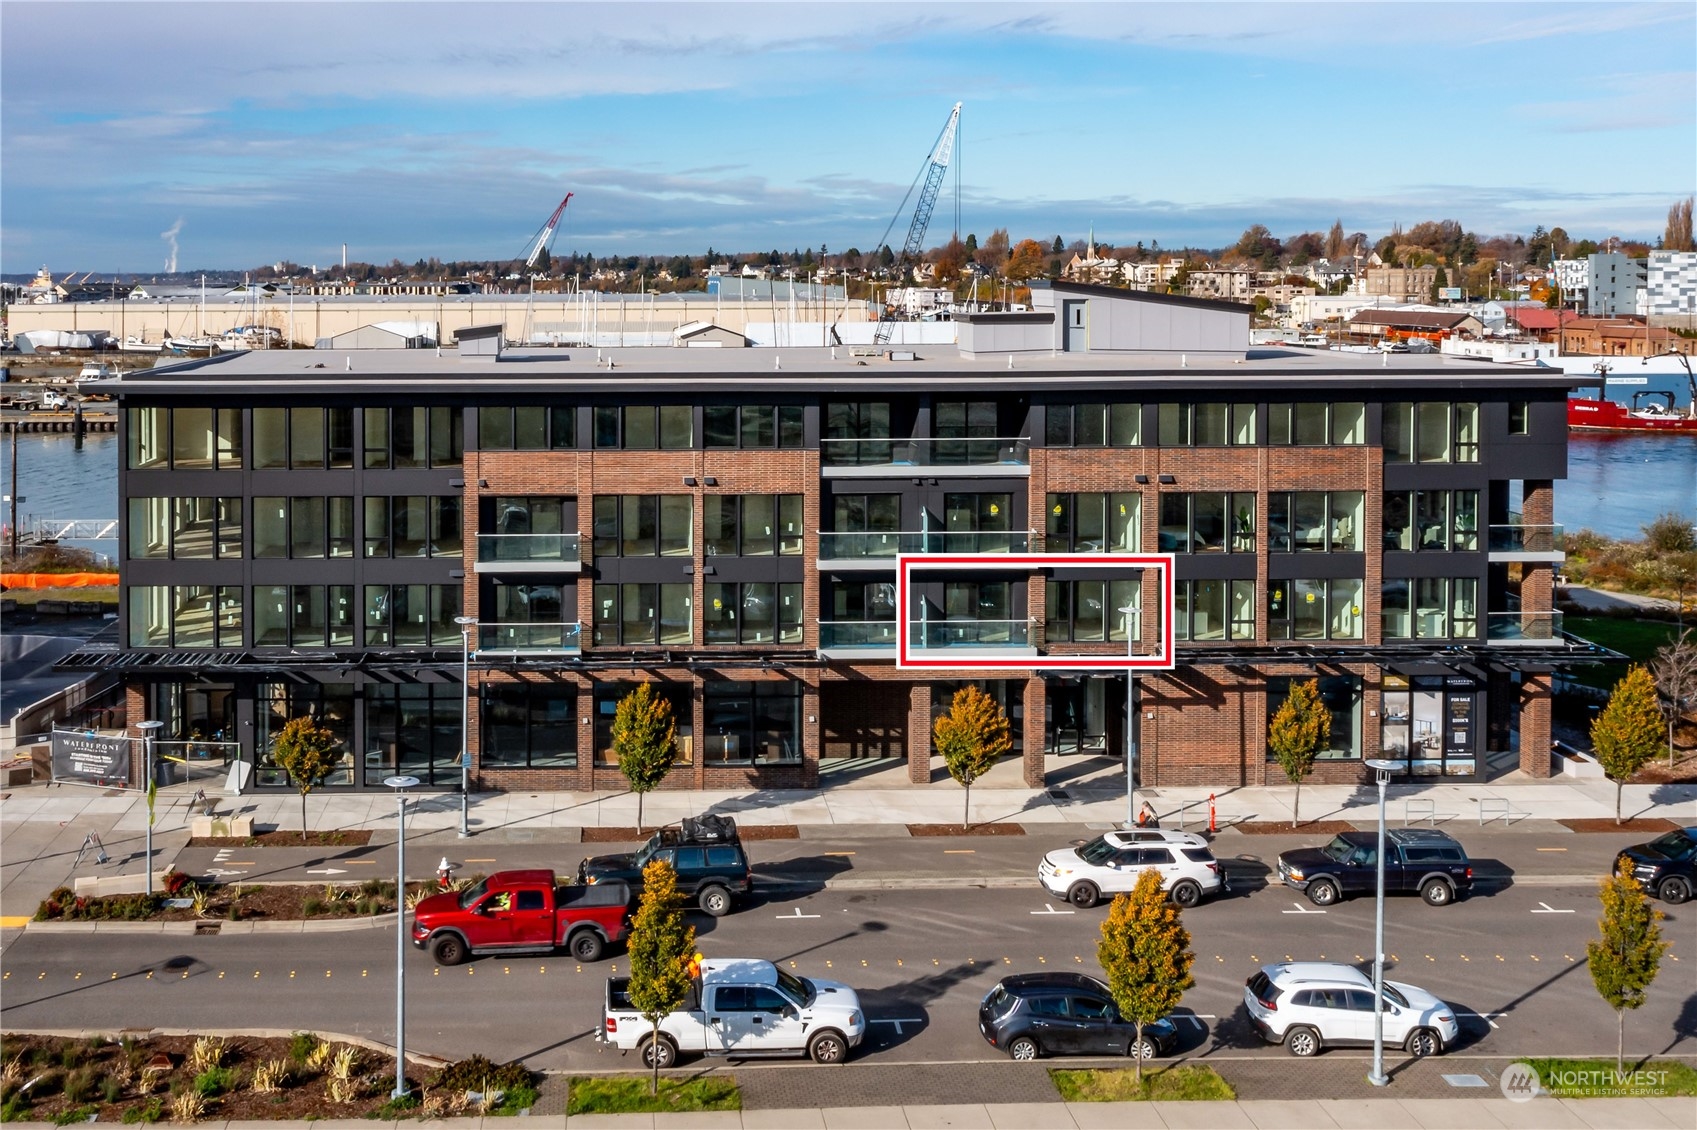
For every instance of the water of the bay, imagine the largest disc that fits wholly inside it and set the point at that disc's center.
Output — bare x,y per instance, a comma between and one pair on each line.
1615,485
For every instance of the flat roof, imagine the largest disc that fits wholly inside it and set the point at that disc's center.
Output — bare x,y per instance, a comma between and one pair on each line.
810,370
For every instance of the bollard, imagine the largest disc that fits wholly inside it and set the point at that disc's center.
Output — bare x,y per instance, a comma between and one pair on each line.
1213,825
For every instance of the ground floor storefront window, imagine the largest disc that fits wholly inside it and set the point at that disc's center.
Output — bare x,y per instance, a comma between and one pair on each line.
412,729
1342,697
1428,724
331,705
752,723
529,726
607,696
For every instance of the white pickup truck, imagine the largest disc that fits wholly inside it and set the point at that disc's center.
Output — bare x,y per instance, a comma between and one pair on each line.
745,1008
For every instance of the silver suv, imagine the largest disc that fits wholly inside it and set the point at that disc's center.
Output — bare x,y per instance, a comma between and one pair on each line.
1111,863
1310,1005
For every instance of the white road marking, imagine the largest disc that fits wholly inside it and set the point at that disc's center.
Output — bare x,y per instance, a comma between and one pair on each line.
222,871
1300,909
1052,910
1548,909
897,1021
796,914
1485,1016
1197,1018
326,871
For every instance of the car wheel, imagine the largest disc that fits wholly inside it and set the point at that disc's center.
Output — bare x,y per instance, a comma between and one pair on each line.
1083,894
1322,892
450,949
586,945
827,1047
1023,1048
660,1053
715,901
1145,1049
1436,892
1674,890
1423,1042
1187,894
1302,1041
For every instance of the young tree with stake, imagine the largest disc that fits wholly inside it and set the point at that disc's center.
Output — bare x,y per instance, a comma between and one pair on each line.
645,740
1145,951
1300,727
971,737
1625,959
309,753
1628,731
659,947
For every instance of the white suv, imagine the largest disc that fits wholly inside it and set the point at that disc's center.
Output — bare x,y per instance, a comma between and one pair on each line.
1111,863
1310,1005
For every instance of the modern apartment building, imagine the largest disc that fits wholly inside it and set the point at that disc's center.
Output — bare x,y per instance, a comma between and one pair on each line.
303,530
1614,280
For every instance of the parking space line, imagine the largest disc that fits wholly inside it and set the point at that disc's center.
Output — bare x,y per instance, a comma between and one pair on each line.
796,914
1300,909
1548,909
1052,910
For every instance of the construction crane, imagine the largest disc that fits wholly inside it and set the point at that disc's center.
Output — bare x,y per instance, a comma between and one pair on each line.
936,164
540,241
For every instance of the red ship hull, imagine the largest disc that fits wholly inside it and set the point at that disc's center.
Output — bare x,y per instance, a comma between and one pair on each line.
1586,414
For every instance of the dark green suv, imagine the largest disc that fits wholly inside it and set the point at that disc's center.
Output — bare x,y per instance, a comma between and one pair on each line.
705,852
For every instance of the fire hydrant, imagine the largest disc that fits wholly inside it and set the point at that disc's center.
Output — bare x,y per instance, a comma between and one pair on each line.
1212,824
445,874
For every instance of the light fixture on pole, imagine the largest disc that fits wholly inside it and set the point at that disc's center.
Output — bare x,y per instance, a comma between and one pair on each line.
1130,612
1382,769
400,785
148,729
466,623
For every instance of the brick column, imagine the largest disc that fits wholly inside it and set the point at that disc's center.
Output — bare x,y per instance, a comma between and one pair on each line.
811,743
1536,694
1036,713
1537,579
919,734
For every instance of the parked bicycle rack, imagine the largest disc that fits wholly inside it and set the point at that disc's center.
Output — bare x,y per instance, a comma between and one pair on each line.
1494,807
1428,810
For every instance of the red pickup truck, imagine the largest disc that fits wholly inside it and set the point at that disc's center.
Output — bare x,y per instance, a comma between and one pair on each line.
522,912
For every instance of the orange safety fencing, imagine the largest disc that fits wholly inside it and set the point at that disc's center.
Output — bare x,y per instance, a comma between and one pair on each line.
58,580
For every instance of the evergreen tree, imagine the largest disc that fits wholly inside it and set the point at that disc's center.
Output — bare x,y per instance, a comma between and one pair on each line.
645,741
308,753
970,738
1145,951
1300,727
1628,731
1624,960
661,949
1439,282
1058,246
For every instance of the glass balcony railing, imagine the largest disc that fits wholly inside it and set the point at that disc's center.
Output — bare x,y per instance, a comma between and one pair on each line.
1523,627
969,633
856,633
834,546
558,639
537,549
976,452
1519,538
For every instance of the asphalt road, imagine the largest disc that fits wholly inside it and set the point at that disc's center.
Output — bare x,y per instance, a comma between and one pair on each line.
1511,960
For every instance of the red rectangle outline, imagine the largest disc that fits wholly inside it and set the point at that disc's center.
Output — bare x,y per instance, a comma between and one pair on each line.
1165,661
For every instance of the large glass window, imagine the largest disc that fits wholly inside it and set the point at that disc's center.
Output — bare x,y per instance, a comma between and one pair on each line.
197,616
414,729
874,520
753,612
1432,520
1093,425
1205,425
634,614
754,425
527,427
755,722
856,433
1314,609
417,525
677,695
1430,608
645,427
412,615
412,437
752,525
1208,523
331,705
1096,523
303,527
977,522
1341,695
1311,424
185,528
1428,725
643,525
1090,611
188,439
303,616
529,725
1431,432
1214,610
1315,521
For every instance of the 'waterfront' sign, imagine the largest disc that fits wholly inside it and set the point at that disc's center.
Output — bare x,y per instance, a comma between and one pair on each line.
91,757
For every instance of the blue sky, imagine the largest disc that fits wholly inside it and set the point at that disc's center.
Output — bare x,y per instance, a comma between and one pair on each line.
259,131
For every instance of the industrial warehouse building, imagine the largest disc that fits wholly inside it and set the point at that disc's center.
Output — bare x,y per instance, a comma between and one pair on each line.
301,533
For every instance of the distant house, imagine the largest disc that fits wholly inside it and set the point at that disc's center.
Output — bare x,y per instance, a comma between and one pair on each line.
1537,320
1399,325
705,334
1623,337
1399,284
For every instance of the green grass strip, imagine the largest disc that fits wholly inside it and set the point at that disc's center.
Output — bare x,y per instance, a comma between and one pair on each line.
1186,1083
1598,1078
628,1094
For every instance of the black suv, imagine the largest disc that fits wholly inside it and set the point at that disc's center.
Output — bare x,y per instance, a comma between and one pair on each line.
1665,865
1033,1014
1416,859
705,852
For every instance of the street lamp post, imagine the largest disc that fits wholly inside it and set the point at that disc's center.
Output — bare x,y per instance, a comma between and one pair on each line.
148,729
400,785
1382,769
466,623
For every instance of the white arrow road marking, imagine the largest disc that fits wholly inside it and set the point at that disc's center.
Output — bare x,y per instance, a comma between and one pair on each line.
1300,909
222,871
1548,909
1197,1018
1485,1016
1052,910
326,871
898,1022
797,914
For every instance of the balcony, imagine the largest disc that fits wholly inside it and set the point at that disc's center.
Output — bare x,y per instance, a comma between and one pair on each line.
1518,542
1530,628
954,458
1000,639
530,639
857,639
529,553
854,551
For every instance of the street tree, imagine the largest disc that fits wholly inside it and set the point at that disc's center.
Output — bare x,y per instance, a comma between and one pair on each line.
308,753
1145,951
971,737
1627,732
1625,959
1026,261
645,741
1675,669
1677,237
1300,728
661,950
